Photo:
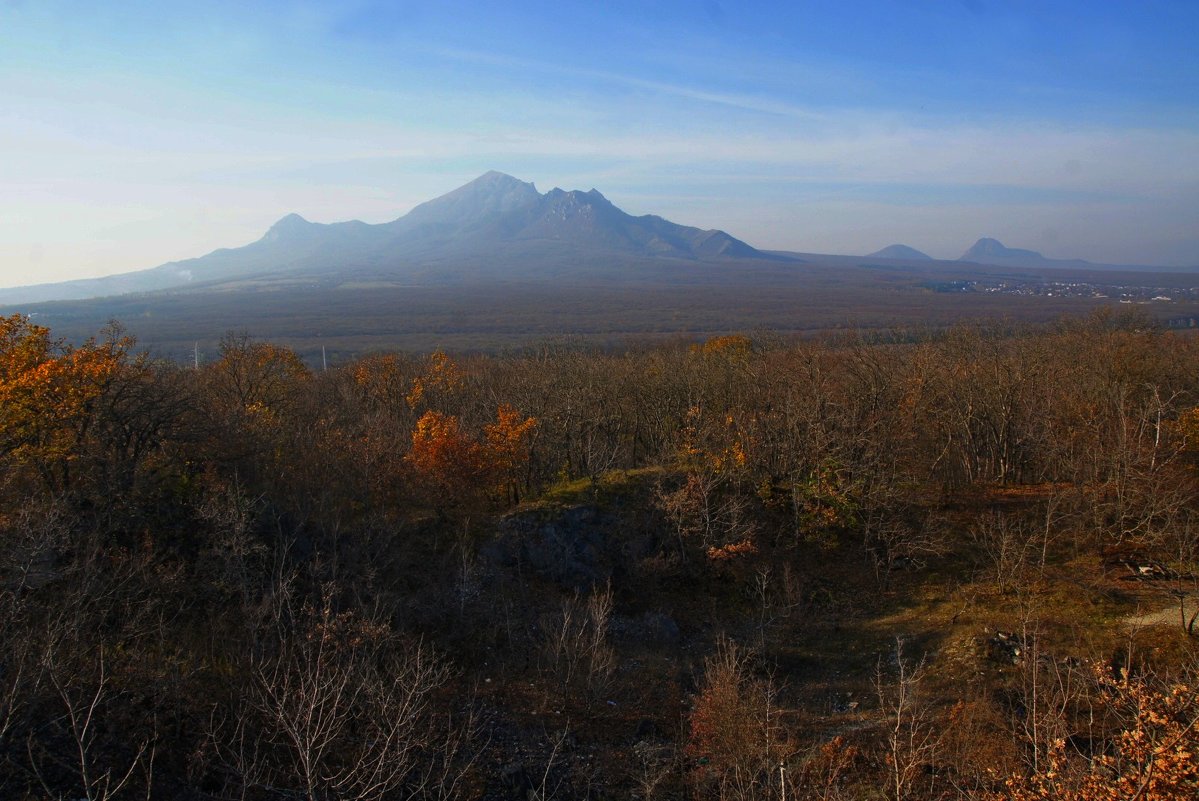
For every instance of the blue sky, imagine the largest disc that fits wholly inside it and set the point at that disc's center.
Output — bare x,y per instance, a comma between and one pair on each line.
136,133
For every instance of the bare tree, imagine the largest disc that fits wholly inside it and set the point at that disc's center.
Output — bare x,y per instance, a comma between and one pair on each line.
28,549
776,594
1049,696
235,555
705,510
654,766
100,780
910,740
85,693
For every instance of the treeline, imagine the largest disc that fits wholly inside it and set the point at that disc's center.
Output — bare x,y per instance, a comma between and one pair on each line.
583,574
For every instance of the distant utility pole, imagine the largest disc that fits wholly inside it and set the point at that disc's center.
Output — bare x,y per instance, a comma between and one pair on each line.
324,362
196,356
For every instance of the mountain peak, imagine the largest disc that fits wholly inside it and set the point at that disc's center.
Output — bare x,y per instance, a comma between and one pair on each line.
495,179
292,220
492,193
288,227
988,245
899,252
988,249
577,196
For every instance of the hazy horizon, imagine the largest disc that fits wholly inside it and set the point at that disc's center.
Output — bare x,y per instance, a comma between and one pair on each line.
138,134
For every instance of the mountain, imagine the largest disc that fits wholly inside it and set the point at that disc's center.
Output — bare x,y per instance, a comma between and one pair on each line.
992,251
495,227
899,252
987,250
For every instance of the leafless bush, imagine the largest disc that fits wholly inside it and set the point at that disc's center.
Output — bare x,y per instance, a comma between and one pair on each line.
894,543
70,747
81,641
231,514
653,768
28,548
1007,547
575,653
340,708
29,545
1046,695
776,594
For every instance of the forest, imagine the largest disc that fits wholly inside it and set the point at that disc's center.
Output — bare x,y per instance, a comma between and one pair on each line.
954,564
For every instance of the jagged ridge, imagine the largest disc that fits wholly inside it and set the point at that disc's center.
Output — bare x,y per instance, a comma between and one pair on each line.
518,229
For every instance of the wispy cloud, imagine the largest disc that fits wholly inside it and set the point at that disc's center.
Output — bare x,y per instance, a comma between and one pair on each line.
742,102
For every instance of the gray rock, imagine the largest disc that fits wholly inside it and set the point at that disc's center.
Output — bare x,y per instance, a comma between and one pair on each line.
571,548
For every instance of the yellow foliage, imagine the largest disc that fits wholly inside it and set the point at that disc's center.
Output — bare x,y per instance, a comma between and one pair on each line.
442,454
256,376
508,438
725,553
709,446
730,345
1187,427
441,376
380,379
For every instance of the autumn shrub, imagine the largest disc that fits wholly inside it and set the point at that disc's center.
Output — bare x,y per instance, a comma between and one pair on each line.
736,738
1150,755
824,773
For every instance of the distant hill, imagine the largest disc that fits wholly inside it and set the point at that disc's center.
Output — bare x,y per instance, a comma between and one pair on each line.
992,251
989,251
495,227
899,252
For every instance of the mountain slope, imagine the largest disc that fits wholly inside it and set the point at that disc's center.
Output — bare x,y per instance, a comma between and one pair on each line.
522,233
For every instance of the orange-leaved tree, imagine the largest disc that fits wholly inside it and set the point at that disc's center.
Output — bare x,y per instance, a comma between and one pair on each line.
48,396
458,470
1187,428
730,346
509,447
446,460
709,508
256,379
381,383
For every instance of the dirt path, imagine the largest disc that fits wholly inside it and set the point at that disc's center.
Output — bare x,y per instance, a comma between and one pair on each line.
1166,616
